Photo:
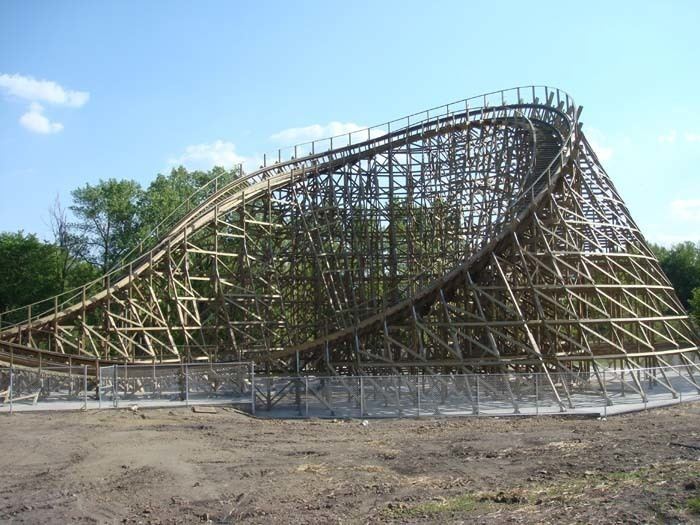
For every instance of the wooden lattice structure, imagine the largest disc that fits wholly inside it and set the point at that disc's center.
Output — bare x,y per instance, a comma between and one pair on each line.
482,236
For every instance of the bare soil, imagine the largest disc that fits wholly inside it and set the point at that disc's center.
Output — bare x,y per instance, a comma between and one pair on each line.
176,466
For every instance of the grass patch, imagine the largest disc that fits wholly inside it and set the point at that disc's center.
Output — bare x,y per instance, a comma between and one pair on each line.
625,475
454,505
463,503
573,491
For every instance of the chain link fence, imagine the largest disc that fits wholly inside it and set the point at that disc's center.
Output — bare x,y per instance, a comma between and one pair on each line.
194,383
606,392
48,387
65,388
603,392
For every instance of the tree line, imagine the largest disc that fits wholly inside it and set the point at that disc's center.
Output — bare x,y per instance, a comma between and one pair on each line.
101,225
681,264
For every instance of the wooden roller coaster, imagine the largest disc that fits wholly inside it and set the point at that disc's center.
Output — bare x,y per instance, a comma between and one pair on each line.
482,236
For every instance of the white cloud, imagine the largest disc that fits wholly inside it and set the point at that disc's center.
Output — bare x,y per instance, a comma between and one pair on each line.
599,143
686,209
692,137
320,131
669,138
32,89
206,156
35,121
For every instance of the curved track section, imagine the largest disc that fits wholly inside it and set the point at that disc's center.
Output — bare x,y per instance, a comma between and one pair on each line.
479,236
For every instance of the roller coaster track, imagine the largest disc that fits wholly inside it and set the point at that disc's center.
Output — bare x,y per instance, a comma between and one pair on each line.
481,236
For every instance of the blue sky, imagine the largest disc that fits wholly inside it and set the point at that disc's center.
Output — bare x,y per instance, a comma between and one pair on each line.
131,88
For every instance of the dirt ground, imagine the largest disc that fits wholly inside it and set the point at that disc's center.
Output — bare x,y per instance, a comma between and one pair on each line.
176,466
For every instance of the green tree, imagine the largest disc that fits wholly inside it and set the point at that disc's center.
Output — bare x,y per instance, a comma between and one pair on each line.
28,270
179,192
695,304
681,264
71,249
107,217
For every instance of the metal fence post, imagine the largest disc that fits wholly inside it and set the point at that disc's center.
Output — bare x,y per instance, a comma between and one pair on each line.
398,396
12,377
622,381
419,387
98,378
604,380
297,394
329,397
362,397
605,396
646,394
187,385
537,394
605,408
156,385
252,388
115,389
306,395
477,395
84,387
